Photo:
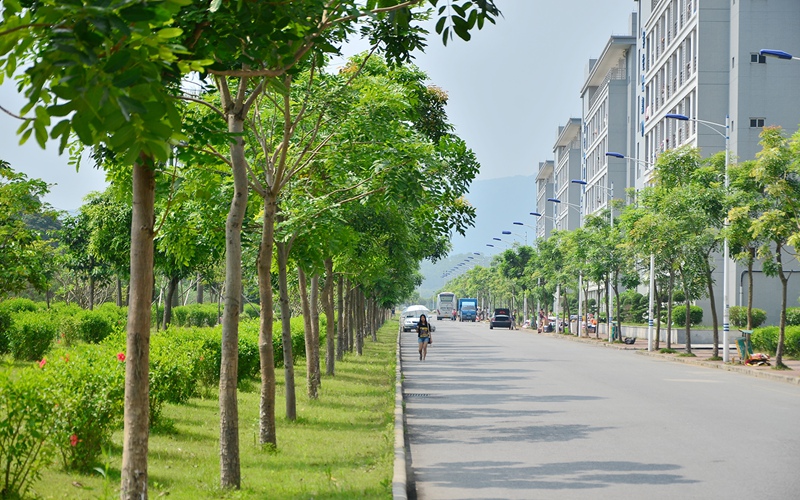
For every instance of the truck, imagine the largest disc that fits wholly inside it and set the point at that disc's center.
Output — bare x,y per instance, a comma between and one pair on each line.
467,309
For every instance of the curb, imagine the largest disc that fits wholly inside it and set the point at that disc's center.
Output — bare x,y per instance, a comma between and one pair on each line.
752,372
399,480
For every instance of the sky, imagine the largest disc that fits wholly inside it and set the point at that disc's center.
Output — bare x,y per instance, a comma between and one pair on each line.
510,88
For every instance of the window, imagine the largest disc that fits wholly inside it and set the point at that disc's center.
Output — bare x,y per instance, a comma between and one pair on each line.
755,57
757,122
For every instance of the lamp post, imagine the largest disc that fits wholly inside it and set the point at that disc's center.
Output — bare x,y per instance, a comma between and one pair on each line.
580,275
609,196
650,321
725,246
780,54
501,241
517,234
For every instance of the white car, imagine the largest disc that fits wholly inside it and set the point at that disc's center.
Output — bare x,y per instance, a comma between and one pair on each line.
410,317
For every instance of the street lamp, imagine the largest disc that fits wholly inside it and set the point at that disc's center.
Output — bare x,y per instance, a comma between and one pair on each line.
650,320
780,54
517,234
609,196
726,249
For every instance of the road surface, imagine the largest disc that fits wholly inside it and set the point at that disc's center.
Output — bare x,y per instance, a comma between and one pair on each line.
499,414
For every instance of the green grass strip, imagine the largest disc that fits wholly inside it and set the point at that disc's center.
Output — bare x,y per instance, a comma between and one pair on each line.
340,446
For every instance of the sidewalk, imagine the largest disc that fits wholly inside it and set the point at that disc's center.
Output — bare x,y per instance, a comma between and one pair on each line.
702,355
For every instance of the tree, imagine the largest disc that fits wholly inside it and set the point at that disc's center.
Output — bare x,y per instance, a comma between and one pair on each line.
775,172
126,49
26,259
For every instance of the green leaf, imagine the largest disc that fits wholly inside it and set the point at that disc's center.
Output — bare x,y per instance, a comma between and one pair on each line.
215,5
167,33
128,78
440,24
117,61
60,109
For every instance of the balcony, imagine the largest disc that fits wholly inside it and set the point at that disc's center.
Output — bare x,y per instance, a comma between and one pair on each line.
618,73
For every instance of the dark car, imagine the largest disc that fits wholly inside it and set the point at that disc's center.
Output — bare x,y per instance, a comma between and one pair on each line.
501,319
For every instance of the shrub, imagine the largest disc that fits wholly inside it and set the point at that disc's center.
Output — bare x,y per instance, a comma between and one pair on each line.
26,421
5,325
633,306
17,305
90,385
94,326
66,317
117,316
31,335
766,340
738,316
195,315
679,315
793,316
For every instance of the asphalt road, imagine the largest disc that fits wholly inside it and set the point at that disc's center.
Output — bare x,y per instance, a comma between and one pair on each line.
499,414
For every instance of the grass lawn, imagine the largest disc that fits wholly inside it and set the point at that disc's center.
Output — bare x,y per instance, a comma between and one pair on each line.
340,446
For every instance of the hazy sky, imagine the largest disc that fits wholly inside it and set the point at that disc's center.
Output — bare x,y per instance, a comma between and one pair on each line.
510,88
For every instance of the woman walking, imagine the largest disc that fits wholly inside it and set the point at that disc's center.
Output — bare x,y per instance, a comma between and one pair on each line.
423,335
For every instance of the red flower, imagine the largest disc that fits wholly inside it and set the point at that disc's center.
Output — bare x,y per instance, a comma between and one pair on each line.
42,362
73,440
66,358
121,356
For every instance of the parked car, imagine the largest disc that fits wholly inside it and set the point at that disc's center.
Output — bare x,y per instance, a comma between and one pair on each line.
410,317
501,319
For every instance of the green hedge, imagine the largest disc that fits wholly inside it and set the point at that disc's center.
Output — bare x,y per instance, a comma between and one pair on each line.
26,424
793,316
195,315
766,340
90,386
738,316
31,335
679,315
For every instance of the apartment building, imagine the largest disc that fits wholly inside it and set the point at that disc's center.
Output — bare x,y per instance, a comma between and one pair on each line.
700,58
608,97
544,190
567,166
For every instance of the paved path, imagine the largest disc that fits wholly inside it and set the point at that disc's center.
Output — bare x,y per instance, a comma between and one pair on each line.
511,414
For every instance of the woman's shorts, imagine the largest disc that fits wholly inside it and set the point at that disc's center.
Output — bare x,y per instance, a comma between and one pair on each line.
422,340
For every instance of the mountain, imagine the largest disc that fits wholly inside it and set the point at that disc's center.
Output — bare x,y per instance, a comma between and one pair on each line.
498,202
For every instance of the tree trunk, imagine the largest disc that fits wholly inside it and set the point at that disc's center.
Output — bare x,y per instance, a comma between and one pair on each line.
137,362
714,319
286,330
351,320
688,326
750,288
657,314
311,388
230,470
670,288
314,305
618,316
360,320
784,285
173,284
374,323
330,318
340,315
199,288
118,283
266,351
91,292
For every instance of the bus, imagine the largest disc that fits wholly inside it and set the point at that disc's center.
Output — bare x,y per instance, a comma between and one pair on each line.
445,305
